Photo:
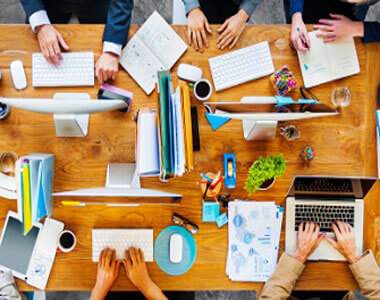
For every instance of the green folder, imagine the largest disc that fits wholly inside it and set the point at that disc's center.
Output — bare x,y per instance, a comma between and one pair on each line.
163,77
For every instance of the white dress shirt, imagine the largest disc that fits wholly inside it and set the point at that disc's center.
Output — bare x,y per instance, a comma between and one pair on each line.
41,18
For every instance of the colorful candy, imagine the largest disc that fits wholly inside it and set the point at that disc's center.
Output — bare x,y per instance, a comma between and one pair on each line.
284,81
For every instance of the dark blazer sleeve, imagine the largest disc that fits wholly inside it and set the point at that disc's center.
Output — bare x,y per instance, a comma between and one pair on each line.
32,6
371,32
118,21
295,6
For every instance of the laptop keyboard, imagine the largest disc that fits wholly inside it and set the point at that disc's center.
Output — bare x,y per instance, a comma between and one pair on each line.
324,215
323,185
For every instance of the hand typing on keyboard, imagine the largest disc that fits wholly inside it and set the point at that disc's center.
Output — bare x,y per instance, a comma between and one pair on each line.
107,67
309,239
136,270
51,41
344,241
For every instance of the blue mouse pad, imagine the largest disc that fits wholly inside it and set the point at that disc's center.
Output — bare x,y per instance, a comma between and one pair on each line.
161,251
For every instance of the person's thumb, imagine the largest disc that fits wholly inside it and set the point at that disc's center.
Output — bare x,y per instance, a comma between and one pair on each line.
223,27
208,27
332,242
62,42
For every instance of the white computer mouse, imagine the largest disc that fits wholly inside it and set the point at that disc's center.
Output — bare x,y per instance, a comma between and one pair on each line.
189,72
176,248
18,75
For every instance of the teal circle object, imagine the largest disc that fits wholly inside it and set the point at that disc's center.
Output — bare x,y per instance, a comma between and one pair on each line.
162,255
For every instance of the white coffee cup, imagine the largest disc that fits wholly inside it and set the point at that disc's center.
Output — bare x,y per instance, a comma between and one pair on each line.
202,89
67,241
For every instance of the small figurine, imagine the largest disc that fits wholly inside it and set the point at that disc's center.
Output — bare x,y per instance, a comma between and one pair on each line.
308,154
290,132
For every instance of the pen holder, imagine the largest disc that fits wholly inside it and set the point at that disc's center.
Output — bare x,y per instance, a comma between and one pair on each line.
283,81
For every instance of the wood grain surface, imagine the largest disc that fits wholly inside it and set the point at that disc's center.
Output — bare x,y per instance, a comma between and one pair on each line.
344,145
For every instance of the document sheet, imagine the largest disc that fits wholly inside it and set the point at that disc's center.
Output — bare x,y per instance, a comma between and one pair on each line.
254,230
326,62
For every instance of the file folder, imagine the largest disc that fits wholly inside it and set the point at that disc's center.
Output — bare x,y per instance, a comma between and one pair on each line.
35,174
187,125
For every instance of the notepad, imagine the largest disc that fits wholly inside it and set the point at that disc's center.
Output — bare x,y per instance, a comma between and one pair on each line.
326,62
154,47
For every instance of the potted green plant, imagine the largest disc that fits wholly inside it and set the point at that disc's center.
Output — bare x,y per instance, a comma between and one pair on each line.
263,172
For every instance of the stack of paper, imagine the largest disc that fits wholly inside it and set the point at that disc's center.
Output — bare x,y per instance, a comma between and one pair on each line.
34,177
147,149
175,131
254,230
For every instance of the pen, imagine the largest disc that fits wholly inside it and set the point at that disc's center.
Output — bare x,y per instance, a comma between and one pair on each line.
108,204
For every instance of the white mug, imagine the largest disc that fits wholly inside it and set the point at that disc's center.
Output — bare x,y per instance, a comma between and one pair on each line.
71,238
202,89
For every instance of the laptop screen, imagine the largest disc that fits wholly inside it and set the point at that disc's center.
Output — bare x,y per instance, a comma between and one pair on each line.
331,186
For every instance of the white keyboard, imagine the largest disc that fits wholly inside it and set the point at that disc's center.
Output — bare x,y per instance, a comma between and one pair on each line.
241,66
121,240
75,69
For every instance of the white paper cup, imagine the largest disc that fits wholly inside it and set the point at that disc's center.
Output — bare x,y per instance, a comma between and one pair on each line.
202,90
67,241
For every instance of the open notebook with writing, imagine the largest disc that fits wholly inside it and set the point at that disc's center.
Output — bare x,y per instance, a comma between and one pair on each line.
154,47
326,62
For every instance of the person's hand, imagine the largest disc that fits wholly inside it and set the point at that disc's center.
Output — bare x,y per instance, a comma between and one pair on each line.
197,29
345,241
107,67
108,271
137,273
337,27
299,36
309,239
51,41
231,30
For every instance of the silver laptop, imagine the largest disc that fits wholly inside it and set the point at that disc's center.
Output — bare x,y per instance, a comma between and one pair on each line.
325,199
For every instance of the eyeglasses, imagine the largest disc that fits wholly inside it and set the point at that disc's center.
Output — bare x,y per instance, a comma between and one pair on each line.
182,221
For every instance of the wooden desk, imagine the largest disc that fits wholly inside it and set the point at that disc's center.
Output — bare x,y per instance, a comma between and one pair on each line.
344,145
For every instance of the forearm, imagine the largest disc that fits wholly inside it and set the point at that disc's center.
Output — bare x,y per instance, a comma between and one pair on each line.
151,291
98,294
367,274
249,6
190,5
32,6
295,6
371,32
281,283
119,20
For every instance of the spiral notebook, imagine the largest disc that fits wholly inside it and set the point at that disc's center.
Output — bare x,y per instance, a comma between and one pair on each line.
326,62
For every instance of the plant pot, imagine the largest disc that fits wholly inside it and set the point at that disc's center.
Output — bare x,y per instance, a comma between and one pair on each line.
267,184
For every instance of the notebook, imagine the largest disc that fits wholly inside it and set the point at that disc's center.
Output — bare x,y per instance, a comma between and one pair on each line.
154,47
326,62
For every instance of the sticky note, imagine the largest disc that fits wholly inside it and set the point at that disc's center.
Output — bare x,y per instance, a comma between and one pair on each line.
221,220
